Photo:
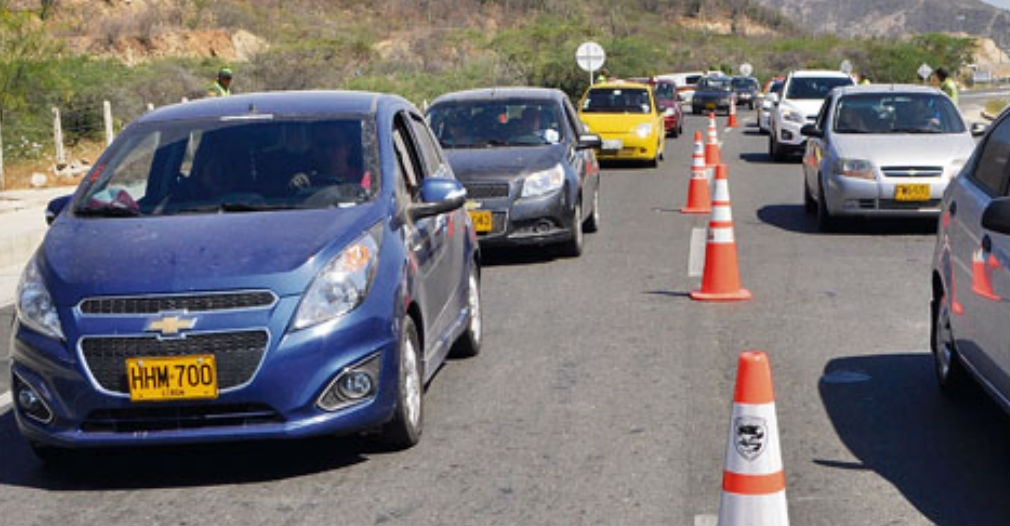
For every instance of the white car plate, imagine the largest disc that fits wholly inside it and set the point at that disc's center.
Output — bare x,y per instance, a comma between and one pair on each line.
612,144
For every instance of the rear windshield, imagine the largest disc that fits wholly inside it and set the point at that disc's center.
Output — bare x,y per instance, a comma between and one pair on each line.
814,87
893,113
617,100
212,166
496,123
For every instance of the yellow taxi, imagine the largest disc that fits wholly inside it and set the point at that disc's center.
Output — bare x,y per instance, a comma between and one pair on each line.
625,115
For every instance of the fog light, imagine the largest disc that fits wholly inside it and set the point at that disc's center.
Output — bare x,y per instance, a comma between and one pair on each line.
355,385
30,402
351,385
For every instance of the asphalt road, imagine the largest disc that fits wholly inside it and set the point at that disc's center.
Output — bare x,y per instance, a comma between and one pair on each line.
603,392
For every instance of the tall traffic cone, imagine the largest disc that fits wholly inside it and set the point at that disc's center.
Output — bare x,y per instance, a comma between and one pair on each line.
981,270
721,278
753,482
698,199
731,119
712,146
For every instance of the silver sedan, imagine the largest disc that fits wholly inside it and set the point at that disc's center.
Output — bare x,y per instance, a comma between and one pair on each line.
882,150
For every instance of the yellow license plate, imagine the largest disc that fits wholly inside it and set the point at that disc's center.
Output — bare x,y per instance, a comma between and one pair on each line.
911,192
172,377
481,220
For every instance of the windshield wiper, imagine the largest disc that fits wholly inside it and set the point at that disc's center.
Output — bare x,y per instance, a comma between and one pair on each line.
914,130
107,211
229,206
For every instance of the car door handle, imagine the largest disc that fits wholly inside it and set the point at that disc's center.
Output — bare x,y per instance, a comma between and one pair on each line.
986,244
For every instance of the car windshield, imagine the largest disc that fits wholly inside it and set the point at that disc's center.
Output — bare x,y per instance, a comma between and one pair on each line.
495,123
744,83
240,165
715,83
890,113
617,100
814,87
664,90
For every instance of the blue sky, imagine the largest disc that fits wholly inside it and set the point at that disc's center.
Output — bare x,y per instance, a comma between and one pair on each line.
1005,4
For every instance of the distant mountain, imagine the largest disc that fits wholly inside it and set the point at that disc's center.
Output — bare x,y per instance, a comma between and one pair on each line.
854,18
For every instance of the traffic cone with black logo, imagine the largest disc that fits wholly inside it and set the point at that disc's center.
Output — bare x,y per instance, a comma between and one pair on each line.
731,119
981,272
712,146
698,197
721,278
753,481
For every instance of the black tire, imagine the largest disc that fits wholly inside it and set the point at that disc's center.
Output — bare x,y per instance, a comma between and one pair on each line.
404,430
825,223
950,374
468,344
675,131
809,205
573,247
775,150
592,223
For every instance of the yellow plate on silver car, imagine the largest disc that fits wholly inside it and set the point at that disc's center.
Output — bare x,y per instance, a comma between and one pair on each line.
163,378
911,192
481,220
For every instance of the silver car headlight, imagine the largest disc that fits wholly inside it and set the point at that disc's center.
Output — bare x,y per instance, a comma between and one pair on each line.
643,130
342,284
35,307
793,116
855,168
544,181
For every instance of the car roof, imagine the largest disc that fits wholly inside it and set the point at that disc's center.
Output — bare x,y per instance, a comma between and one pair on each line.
307,103
501,92
817,73
887,88
619,84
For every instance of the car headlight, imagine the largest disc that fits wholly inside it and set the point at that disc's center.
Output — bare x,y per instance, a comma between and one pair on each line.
668,112
793,116
35,307
643,130
544,181
342,284
856,168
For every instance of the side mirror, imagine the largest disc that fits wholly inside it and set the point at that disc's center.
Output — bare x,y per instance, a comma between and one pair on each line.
811,130
438,195
978,129
996,216
589,140
55,207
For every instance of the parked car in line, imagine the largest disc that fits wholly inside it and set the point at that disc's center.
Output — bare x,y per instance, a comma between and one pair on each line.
970,300
527,162
714,93
628,120
882,150
746,91
686,83
261,266
665,93
766,103
802,96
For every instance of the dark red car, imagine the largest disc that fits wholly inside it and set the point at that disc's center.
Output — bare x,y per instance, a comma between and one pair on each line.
665,93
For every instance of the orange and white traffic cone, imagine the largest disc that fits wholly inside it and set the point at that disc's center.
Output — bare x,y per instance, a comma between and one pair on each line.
981,270
753,481
698,199
731,119
712,146
721,278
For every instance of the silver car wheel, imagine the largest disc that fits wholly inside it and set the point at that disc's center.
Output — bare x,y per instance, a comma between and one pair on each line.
473,302
412,384
943,345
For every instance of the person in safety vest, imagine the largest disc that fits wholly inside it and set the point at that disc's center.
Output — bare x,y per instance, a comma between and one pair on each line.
222,86
947,84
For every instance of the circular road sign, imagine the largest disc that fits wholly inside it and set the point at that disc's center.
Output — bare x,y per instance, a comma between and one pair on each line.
590,56
924,71
846,67
746,69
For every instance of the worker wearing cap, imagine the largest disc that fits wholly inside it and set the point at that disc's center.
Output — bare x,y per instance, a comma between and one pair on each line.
222,86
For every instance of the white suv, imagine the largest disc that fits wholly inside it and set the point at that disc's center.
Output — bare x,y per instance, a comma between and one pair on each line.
802,96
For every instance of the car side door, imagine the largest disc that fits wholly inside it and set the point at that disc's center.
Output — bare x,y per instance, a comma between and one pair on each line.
980,261
582,160
817,148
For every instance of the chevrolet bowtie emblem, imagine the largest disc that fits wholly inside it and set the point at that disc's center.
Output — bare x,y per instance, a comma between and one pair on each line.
171,325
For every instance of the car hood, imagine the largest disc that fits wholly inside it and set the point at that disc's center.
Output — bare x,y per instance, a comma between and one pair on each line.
279,250
475,164
615,123
905,149
807,107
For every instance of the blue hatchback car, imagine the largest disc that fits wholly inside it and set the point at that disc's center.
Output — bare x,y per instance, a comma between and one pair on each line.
274,265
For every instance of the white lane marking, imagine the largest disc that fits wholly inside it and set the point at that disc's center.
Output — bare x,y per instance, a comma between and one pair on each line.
5,402
696,253
706,520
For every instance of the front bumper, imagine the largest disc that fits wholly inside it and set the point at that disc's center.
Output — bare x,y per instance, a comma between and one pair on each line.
278,401
788,135
847,196
540,220
633,148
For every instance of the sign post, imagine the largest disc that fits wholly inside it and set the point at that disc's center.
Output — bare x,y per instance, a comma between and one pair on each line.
590,57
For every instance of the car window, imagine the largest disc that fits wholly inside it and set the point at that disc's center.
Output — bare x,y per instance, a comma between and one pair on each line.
408,163
665,90
897,113
814,87
574,123
617,100
496,123
431,157
991,170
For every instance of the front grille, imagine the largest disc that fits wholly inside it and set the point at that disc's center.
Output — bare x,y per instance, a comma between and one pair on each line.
912,171
237,355
191,303
486,190
170,418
